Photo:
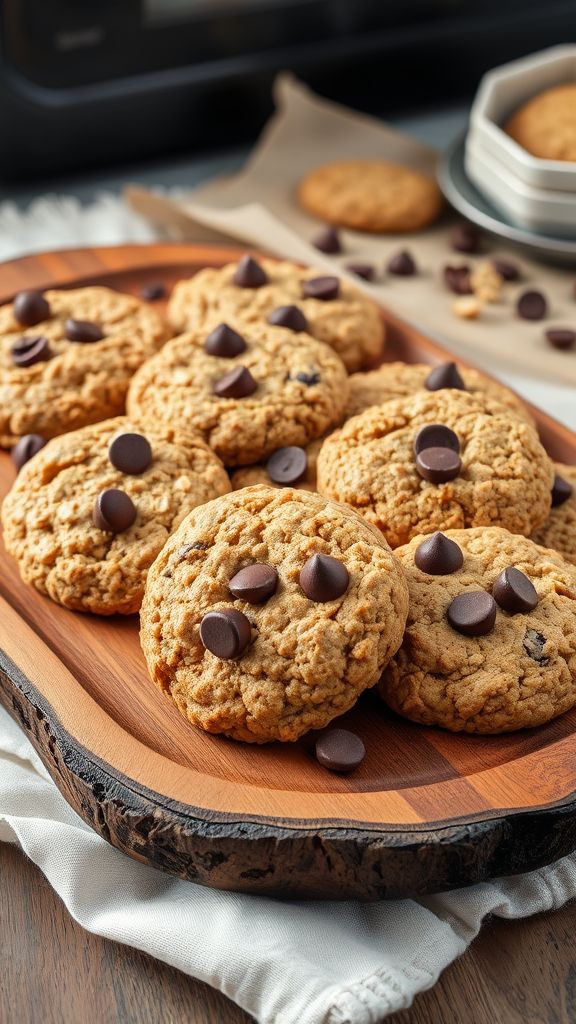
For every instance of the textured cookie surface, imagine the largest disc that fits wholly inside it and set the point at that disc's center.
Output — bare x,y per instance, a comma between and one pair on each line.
301,390
546,125
521,674
307,661
47,515
559,530
504,479
81,383
371,195
350,323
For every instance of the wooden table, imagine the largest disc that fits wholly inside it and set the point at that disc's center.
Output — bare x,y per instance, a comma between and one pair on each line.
52,971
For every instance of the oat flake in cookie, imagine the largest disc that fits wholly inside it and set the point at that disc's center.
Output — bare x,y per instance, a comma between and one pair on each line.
85,531
319,635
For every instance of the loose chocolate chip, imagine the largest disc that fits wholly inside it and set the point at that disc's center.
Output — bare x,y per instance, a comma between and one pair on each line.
324,288
402,263
365,270
287,465
508,271
324,578
472,613
130,453
562,338
27,446
309,379
249,274
514,592
533,643
438,465
113,511
438,555
561,491
224,342
532,306
226,632
27,351
238,383
328,241
436,435
288,316
153,291
444,376
255,584
465,238
340,750
83,330
457,279
30,308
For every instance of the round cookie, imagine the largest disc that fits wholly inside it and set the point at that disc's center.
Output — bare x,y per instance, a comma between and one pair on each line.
519,673
299,391
249,476
305,659
371,195
504,478
559,530
48,515
350,322
80,382
545,126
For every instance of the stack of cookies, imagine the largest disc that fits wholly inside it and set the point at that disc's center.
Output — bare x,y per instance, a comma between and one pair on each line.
294,527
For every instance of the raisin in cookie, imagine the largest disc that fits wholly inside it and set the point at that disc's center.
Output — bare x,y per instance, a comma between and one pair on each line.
89,513
247,391
293,297
269,611
490,644
438,460
559,530
287,467
67,356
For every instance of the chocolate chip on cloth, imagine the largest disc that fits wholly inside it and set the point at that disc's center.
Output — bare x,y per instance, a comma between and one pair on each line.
503,477
281,390
559,530
88,514
308,657
469,665
72,364
302,469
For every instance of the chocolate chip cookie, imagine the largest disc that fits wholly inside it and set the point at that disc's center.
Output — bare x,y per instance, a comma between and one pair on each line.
546,125
559,530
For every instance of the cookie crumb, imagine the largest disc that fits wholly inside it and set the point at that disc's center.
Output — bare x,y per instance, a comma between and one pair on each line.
467,307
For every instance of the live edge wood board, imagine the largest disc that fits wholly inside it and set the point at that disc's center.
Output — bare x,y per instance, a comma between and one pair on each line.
426,810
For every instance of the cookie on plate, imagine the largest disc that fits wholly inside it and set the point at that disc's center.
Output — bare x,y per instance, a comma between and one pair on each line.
287,467
247,391
438,460
67,357
545,126
490,644
298,298
269,611
88,514
559,530
371,195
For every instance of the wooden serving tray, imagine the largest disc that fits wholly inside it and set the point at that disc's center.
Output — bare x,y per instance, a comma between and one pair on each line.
427,810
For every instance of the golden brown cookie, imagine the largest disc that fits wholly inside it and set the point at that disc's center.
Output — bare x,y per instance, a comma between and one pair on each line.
322,608
490,643
559,530
288,468
545,126
371,195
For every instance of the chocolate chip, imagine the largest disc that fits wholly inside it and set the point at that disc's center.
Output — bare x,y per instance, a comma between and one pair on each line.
27,446
130,453
472,613
402,263
438,465
30,308
255,584
83,330
533,643
288,316
444,376
438,555
532,306
249,274
287,465
508,271
324,578
340,750
27,351
436,435
561,491
364,270
560,337
224,342
514,592
238,383
328,240
226,632
457,279
465,238
153,291
324,288
307,378
113,511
